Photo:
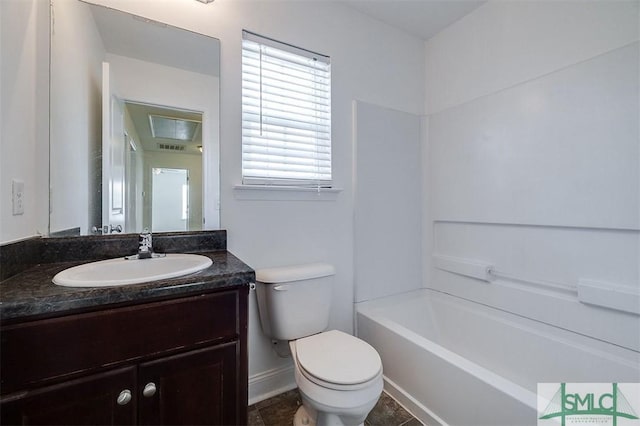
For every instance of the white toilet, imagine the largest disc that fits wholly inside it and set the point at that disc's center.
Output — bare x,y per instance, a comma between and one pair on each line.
338,375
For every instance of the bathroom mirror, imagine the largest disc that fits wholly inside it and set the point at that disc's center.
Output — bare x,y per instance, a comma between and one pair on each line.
134,124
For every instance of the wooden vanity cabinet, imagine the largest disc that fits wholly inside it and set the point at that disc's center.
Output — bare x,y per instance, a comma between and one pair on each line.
177,361
91,400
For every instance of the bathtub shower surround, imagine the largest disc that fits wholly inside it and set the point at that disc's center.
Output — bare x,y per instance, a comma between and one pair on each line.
534,162
453,361
531,167
387,212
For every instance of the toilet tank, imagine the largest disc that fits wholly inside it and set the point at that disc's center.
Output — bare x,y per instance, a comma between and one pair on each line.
294,301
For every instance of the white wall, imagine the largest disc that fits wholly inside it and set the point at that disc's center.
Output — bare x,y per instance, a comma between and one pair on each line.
505,43
24,107
534,157
371,62
76,127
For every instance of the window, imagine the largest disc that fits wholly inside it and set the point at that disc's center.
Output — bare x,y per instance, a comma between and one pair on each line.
286,114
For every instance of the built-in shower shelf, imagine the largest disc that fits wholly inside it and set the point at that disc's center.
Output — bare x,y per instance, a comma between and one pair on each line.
605,295
620,298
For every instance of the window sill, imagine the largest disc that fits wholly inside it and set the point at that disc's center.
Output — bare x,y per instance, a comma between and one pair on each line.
284,193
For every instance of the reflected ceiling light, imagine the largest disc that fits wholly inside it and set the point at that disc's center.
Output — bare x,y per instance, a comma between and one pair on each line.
180,129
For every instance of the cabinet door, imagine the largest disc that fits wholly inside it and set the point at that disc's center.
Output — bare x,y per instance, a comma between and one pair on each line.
195,388
95,400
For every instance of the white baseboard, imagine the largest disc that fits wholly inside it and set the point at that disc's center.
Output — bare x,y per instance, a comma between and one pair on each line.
412,405
269,383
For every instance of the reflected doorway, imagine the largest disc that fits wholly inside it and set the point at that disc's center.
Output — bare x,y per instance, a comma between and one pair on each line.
165,153
170,199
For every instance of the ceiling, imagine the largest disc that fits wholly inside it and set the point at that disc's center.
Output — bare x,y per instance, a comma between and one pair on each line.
421,18
134,37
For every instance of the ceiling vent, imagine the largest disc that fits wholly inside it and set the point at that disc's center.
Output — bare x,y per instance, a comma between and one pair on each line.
179,129
169,147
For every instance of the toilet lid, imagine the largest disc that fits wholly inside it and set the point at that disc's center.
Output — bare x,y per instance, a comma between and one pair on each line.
337,357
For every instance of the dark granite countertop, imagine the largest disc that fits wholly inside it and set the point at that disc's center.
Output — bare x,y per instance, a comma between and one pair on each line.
31,293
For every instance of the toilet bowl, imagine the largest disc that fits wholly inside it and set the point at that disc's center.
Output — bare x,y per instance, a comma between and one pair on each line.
339,378
338,375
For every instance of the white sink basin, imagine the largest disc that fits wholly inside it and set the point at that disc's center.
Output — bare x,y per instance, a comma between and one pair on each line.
114,272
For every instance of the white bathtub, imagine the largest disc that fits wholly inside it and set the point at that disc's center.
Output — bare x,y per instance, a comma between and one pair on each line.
451,361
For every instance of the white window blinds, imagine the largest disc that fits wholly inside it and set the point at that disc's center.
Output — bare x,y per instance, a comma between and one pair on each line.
286,114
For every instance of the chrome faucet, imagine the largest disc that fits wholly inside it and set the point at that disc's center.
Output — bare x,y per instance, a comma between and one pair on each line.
145,245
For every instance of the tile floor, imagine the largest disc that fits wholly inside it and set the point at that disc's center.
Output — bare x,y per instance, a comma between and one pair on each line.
279,411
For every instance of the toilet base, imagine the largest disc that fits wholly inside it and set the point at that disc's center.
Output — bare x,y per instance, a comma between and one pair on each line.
304,418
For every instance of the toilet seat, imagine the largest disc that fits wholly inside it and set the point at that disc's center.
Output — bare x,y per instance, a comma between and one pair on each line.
337,360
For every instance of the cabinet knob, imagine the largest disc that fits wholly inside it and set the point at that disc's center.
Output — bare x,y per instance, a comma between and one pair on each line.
149,389
124,397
